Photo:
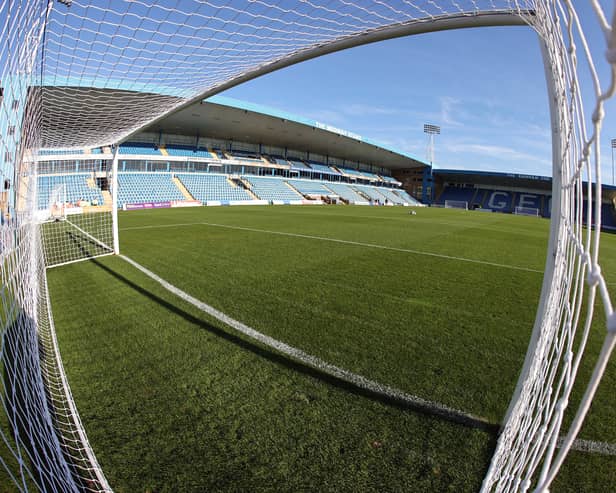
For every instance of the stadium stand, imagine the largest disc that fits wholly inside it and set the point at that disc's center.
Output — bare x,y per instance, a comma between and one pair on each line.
461,194
322,168
59,152
271,188
364,175
281,161
345,192
245,156
310,187
391,196
389,179
406,197
371,192
76,188
547,206
135,188
208,186
185,151
608,216
532,200
138,148
498,201
298,164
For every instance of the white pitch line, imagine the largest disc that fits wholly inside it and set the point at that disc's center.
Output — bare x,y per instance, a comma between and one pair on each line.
309,360
346,242
344,375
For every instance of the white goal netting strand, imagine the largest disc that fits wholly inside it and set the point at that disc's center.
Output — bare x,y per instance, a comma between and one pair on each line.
83,74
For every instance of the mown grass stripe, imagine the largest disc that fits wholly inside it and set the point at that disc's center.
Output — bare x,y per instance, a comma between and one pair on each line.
317,363
346,242
354,379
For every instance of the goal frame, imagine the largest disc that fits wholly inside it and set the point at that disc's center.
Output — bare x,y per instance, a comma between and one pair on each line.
526,211
456,204
57,203
561,202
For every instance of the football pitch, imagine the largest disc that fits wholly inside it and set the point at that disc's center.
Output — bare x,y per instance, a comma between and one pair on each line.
438,306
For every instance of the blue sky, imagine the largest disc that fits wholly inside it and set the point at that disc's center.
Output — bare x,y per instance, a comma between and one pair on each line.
485,87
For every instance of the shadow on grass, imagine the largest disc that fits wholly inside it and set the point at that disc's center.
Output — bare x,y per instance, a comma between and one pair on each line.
46,462
294,365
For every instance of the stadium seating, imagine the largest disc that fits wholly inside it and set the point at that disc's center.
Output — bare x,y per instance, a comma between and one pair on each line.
310,187
498,201
59,152
406,197
245,156
345,192
298,164
524,199
207,186
281,161
135,188
271,188
388,179
185,151
76,189
547,206
321,168
465,194
137,148
371,192
364,175
391,196
608,217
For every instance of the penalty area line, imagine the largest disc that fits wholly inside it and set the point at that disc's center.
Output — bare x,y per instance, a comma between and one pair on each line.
354,379
345,242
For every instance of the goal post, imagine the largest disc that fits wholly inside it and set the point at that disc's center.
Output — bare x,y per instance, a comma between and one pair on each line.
76,215
456,204
57,203
95,95
526,211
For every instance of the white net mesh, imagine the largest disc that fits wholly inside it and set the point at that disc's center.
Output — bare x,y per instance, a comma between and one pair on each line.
75,213
118,65
527,455
94,72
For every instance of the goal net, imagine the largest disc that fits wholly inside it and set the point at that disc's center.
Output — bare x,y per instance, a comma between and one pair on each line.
456,204
81,74
75,214
526,211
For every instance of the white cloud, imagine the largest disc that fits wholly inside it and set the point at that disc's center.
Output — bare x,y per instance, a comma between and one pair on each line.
450,111
359,109
497,152
328,116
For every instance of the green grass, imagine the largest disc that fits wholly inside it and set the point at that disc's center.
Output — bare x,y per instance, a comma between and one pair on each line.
175,401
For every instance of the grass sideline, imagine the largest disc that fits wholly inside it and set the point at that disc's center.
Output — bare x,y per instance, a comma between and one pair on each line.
174,401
